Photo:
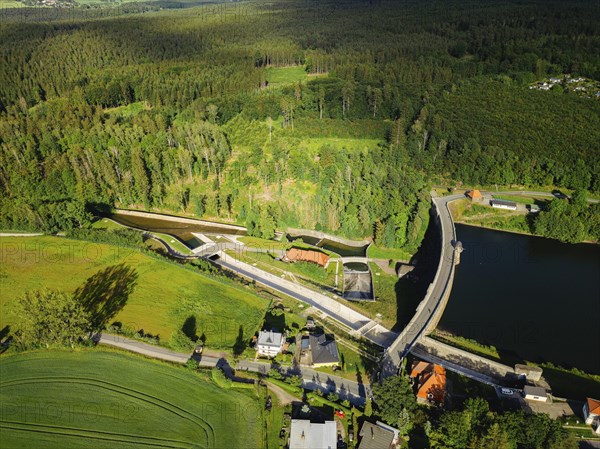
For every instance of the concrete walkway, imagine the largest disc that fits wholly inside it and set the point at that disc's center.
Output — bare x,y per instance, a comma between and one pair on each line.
346,316
155,352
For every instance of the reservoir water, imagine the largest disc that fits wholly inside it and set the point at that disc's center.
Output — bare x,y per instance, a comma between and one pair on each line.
532,298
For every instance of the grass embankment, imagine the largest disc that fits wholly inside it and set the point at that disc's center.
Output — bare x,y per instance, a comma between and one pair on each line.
110,225
375,252
572,384
463,211
165,296
103,399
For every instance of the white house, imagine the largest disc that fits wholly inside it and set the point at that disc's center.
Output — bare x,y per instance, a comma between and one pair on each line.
269,343
502,204
535,394
307,435
591,414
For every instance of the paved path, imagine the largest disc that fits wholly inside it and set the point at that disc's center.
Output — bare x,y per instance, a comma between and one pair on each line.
155,352
432,306
20,234
356,393
283,396
346,316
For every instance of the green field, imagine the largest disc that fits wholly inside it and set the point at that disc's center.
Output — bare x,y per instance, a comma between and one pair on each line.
104,399
164,297
286,75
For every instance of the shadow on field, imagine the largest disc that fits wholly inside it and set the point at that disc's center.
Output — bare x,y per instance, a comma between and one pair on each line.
105,293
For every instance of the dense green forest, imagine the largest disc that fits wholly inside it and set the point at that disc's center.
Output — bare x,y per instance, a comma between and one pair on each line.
332,116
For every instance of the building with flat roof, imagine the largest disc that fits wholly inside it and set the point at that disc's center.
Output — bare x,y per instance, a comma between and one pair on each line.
503,204
535,393
269,343
307,435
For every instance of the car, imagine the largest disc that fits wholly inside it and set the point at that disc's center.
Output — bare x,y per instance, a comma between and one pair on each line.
506,391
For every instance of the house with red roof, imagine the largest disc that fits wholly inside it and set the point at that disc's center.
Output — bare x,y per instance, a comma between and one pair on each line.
430,381
591,414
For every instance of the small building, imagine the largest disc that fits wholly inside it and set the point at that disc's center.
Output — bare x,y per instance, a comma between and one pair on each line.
310,323
531,393
307,435
324,351
475,195
269,343
430,381
303,255
503,204
377,436
591,414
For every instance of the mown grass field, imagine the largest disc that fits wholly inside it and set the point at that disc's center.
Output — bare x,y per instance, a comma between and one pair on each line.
100,399
164,297
286,75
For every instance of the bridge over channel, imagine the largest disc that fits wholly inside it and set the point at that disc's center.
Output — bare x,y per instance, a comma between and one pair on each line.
431,308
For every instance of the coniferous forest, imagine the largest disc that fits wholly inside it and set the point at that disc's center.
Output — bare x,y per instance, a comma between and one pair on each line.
335,116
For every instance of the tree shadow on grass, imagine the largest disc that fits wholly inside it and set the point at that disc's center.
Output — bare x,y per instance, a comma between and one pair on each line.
105,293
240,344
189,328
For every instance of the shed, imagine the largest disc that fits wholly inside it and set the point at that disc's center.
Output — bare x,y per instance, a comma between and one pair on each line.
535,393
503,204
475,195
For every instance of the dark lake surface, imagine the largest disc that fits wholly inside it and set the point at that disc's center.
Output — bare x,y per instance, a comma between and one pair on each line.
532,298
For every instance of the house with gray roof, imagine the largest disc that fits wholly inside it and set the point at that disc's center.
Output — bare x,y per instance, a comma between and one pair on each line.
324,351
269,343
377,436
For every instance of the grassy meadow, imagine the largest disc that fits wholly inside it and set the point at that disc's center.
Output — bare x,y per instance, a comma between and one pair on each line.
105,399
165,295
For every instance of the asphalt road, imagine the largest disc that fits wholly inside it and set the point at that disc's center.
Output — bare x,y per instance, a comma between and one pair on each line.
356,393
431,305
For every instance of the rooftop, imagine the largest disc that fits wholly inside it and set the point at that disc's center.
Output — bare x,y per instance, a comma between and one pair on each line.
376,436
534,391
307,256
503,203
594,406
307,435
270,338
474,194
323,350
431,380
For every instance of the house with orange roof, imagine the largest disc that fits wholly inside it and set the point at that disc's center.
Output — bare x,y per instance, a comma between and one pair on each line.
303,255
430,381
591,414
475,195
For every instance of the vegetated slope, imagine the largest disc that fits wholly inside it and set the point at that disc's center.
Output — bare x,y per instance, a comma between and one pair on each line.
503,132
164,297
101,399
70,137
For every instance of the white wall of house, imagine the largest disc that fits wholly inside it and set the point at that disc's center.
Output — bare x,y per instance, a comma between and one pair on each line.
269,351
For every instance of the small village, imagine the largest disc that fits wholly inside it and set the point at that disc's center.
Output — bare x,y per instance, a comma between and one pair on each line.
581,86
